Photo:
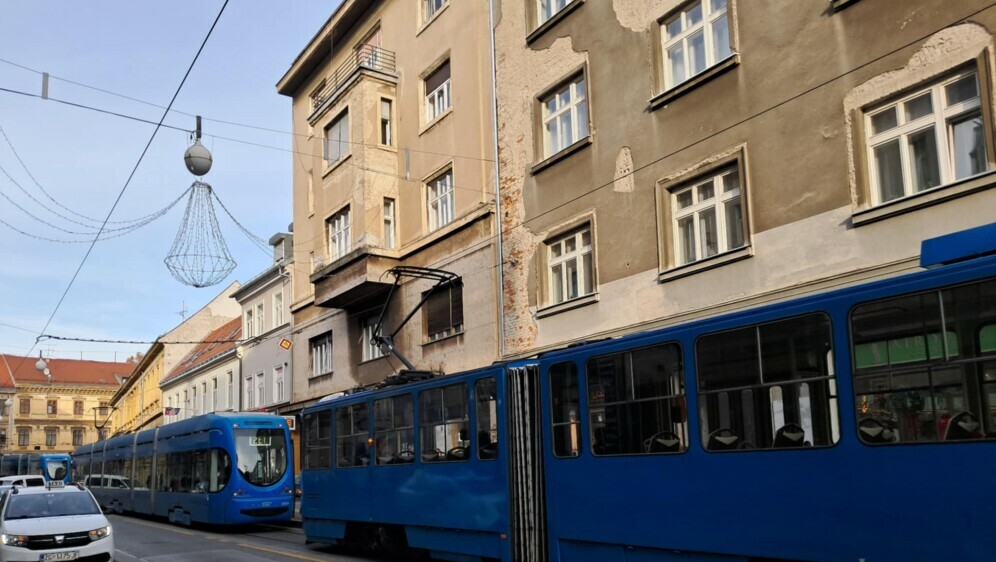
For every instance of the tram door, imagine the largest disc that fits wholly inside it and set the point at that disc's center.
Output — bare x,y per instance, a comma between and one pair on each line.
527,495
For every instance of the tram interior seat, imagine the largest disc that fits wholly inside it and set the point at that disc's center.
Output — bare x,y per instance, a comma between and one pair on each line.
457,454
963,425
722,439
662,442
487,449
874,431
60,474
789,435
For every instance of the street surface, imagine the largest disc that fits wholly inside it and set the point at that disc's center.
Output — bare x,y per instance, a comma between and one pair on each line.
153,540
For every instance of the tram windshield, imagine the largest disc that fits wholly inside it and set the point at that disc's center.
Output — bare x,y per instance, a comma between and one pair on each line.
56,469
261,455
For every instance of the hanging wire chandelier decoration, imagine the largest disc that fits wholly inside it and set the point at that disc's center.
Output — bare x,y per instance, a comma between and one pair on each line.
199,256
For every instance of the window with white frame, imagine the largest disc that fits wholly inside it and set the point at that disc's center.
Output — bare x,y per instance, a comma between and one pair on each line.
278,309
231,390
708,216
565,116
431,7
278,384
250,398
193,404
390,224
437,92
570,266
320,349
248,323
927,138
548,8
337,139
214,394
694,39
386,132
371,350
338,231
260,390
260,319
439,197
204,398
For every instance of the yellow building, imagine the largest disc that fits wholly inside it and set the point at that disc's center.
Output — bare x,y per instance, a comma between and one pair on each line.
138,402
61,407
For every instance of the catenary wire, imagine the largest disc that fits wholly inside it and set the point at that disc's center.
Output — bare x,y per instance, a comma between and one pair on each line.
128,181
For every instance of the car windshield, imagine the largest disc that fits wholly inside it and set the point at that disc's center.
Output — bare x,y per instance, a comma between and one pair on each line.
56,469
27,506
261,455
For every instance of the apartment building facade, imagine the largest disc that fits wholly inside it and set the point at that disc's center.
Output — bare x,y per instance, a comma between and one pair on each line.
662,161
63,408
207,379
393,166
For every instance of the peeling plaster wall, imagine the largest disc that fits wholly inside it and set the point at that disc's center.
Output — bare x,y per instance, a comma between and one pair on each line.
786,105
521,73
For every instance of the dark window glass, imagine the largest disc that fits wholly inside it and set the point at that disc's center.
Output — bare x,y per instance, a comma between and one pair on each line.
444,311
444,423
486,411
925,366
768,386
394,430
352,435
317,440
566,410
636,402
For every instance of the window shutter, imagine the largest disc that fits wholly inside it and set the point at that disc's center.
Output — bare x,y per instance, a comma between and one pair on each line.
436,79
437,312
456,300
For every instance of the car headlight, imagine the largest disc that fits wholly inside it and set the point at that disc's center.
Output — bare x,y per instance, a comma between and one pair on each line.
97,534
14,540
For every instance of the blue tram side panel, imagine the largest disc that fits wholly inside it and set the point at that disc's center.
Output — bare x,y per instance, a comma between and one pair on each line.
857,424
53,466
223,469
421,465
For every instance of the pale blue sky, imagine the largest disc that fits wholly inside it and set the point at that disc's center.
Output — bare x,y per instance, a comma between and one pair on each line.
139,49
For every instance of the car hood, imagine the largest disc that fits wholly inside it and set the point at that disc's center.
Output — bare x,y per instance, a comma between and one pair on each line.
54,525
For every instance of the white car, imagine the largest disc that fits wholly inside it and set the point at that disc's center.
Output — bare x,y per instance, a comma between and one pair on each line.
25,480
53,523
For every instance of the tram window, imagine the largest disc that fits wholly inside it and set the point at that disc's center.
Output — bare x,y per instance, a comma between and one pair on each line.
636,402
317,440
200,475
261,455
162,479
143,473
565,412
352,434
444,423
394,430
925,366
486,411
768,386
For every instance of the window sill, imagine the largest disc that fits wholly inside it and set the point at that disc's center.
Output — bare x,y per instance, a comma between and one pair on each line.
334,165
567,305
838,5
432,124
447,338
667,96
708,263
925,199
365,361
434,17
544,164
388,148
552,22
321,376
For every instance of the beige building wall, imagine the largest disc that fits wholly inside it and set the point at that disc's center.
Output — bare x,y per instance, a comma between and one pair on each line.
137,403
32,420
337,293
787,110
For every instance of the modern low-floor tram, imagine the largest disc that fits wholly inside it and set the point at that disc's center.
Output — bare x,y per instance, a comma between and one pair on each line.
52,466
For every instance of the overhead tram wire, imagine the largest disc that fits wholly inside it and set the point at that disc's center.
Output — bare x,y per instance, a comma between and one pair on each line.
232,123
127,182
49,196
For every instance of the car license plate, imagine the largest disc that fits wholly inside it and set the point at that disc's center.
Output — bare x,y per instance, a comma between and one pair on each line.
55,556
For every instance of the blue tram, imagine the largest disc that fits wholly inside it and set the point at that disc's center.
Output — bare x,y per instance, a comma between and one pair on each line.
223,469
858,424
53,466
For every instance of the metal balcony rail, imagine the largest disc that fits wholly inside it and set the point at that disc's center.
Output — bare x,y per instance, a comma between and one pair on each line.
364,56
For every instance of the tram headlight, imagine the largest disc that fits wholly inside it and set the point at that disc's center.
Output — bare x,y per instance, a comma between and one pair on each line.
14,540
97,534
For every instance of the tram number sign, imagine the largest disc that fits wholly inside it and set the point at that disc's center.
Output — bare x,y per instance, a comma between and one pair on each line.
260,440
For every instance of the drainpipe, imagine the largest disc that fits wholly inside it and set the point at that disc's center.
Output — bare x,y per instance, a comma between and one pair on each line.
499,248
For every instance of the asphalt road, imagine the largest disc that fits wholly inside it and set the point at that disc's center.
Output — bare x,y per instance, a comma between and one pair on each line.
153,540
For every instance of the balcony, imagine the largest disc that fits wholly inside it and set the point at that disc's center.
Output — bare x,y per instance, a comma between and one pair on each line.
354,282
363,58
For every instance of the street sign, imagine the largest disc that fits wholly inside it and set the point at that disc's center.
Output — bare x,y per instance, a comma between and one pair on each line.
285,343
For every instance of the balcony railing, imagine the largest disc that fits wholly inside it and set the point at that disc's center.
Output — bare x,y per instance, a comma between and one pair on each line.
365,56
